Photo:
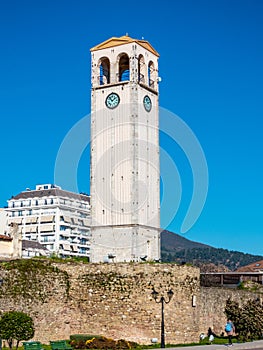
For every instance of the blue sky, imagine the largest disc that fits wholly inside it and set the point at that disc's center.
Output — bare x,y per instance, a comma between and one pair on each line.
211,56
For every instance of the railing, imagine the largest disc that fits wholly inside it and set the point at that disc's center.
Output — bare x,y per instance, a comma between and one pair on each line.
103,80
86,244
124,76
210,279
47,241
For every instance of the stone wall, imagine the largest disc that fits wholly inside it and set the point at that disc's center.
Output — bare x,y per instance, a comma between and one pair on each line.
113,300
212,305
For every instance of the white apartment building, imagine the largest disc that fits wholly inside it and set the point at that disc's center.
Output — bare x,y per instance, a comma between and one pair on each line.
58,219
3,221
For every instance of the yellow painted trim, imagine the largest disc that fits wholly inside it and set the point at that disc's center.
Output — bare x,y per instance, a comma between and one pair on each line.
114,41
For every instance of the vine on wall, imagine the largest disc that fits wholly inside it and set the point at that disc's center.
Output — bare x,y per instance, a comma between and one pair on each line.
32,280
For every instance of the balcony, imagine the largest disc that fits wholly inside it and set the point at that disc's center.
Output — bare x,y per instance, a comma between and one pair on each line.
49,240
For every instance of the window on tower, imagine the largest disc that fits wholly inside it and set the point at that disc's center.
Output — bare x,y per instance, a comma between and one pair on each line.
124,67
151,74
104,76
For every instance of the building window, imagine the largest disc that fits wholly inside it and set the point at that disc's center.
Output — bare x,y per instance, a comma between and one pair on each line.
82,250
151,74
104,77
20,212
124,68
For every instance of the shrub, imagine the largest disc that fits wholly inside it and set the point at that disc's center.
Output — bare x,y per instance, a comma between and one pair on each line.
81,341
248,319
85,341
15,325
84,337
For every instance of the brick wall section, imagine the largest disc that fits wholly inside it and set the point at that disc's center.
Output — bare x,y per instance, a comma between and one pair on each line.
109,299
212,305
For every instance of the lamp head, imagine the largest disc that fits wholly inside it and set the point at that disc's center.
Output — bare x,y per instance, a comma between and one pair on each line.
170,294
154,294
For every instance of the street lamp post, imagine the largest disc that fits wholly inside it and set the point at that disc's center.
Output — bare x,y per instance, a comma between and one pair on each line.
162,301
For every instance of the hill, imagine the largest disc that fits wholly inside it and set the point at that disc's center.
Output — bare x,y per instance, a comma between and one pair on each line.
175,248
171,241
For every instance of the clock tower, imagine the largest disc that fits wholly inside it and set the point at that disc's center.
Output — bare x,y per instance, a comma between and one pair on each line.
124,176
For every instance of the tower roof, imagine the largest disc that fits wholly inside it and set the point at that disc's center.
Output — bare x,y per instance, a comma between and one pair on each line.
125,39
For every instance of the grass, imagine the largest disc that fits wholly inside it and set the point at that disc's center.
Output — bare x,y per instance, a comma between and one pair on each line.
217,340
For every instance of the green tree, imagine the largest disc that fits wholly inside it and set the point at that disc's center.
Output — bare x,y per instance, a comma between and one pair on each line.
248,319
16,326
233,312
251,320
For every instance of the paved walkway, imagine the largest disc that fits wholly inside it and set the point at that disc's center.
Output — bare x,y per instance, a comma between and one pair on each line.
258,344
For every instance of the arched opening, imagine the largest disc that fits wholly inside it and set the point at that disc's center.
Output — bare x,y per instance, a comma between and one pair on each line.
124,67
104,75
151,74
141,69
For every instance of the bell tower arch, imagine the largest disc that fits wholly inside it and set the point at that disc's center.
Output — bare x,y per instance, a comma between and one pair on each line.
124,180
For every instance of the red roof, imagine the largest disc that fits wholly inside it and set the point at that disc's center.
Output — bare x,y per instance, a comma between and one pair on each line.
5,238
254,267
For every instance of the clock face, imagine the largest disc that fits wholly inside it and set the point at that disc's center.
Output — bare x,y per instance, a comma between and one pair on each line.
112,100
147,103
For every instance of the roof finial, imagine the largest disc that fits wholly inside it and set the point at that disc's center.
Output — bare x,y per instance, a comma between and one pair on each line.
127,34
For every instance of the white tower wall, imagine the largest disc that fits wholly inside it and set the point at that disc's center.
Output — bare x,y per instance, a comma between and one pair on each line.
125,188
